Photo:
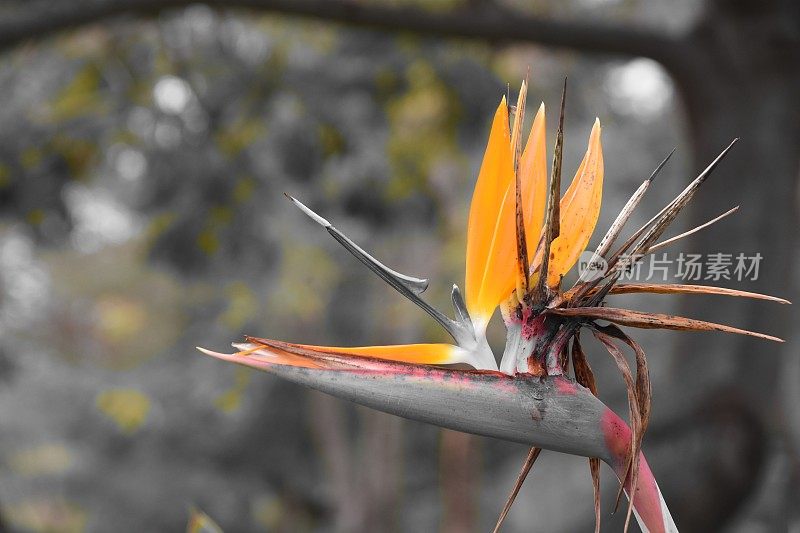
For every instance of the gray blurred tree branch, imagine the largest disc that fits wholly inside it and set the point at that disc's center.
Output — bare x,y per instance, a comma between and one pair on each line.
484,21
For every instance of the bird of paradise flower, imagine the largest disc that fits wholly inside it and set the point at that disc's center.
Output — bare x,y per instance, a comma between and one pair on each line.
522,238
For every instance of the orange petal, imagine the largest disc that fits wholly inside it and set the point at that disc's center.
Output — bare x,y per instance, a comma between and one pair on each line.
309,356
580,208
491,238
533,180
433,354
491,245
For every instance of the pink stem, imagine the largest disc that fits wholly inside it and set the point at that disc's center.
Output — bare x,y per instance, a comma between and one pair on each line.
648,503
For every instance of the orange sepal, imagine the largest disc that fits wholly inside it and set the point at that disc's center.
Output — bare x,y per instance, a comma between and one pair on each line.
580,209
491,244
431,354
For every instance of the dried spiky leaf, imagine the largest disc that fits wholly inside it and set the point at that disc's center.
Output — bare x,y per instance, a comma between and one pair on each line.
583,372
680,201
662,288
627,210
594,470
519,121
655,227
533,454
614,230
519,215
644,320
552,220
585,376
531,193
564,359
636,422
644,392
692,231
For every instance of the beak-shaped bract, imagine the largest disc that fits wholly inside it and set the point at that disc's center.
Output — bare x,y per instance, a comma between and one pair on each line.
552,413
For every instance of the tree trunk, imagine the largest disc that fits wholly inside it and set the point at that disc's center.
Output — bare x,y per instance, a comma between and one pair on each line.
741,79
459,470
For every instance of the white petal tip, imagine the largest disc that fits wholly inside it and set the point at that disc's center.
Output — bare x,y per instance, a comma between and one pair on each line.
243,346
218,355
311,214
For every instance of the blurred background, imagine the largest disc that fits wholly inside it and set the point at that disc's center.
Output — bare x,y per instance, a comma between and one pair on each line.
144,149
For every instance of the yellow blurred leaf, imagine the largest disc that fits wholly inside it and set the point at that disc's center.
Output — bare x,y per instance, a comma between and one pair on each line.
307,276
422,130
79,96
35,217
242,305
208,241
199,522
239,135
5,176
243,189
158,225
46,516
30,158
220,215
77,153
231,399
333,143
120,320
128,408
41,460
112,308
267,511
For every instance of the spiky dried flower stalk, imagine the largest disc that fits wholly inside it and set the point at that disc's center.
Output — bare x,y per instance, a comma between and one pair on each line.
522,238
